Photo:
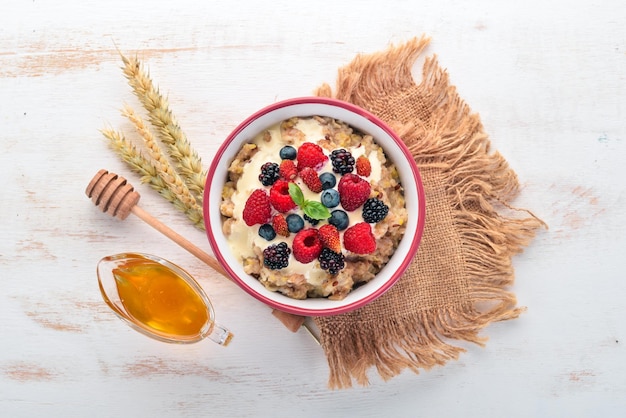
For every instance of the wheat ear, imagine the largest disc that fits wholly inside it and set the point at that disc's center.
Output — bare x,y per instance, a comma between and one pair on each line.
170,177
147,169
185,157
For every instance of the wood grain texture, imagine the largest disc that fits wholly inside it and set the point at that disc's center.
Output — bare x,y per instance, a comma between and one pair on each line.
548,79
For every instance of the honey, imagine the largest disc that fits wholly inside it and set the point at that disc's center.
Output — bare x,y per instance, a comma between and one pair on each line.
158,298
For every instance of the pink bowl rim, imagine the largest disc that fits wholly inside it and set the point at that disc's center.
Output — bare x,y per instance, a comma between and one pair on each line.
416,239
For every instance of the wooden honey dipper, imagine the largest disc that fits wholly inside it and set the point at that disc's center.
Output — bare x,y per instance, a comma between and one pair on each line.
116,197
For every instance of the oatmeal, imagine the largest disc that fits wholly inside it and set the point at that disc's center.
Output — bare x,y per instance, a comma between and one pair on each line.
312,208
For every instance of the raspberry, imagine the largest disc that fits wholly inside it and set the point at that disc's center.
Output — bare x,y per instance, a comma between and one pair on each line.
269,174
310,178
353,191
363,166
374,210
359,239
329,235
310,155
288,170
279,197
343,161
307,245
331,261
276,256
257,209
279,223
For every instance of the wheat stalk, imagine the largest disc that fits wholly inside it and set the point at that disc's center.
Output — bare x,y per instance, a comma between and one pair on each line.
171,177
185,157
151,173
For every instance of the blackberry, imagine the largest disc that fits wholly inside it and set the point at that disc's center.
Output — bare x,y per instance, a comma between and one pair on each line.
269,174
311,220
374,210
343,161
276,256
331,261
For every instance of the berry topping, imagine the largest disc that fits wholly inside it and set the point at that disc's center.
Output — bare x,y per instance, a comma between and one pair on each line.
269,174
279,223
307,245
279,197
276,256
328,180
353,191
374,210
343,161
310,178
288,170
339,219
311,155
330,198
363,166
359,239
329,235
331,261
267,232
312,221
325,244
294,222
288,153
257,209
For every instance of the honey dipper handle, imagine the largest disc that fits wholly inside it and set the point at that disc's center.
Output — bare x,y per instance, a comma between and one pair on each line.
292,322
178,239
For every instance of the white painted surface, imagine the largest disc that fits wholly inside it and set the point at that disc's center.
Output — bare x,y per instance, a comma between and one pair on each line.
548,79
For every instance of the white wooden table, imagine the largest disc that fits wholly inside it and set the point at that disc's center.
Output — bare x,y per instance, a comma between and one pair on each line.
549,80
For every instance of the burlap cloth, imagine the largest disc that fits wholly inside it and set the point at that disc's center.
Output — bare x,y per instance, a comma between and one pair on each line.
458,282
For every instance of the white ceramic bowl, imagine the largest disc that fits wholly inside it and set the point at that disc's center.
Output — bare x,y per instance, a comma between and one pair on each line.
361,120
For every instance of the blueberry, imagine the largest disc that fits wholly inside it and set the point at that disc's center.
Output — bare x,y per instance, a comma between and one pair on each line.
330,198
294,222
267,232
328,180
288,153
339,219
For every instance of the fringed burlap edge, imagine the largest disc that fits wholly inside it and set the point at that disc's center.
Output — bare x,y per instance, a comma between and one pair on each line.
451,144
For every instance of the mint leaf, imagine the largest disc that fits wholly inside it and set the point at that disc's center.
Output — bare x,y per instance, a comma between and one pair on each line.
296,194
315,210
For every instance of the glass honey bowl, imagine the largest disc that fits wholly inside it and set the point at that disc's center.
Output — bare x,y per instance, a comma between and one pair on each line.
159,299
